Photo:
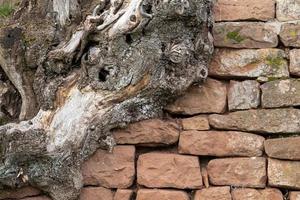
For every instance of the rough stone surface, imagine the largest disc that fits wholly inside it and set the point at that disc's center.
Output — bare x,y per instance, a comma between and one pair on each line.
286,120
207,98
283,148
249,63
96,193
151,194
236,10
281,93
19,193
256,194
242,172
213,193
123,194
112,170
290,34
294,195
243,95
295,62
221,143
245,35
287,10
164,170
150,132
284,174
195,123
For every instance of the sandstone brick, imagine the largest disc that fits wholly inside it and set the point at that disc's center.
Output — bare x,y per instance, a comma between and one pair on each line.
286,120
256,194
19,193
283,148
243,172
287,10
281,93
290,34
159,194
164,170
123,194
96,193
207,98
245,35
249,63
243,95
151,132
295,62
40,198
112,170
220,143
285,174
213,193
236,10
195,123
294,195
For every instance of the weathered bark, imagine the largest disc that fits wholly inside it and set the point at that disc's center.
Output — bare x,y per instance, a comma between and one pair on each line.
78,80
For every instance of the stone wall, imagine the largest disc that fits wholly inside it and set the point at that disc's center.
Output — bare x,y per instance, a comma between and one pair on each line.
235,137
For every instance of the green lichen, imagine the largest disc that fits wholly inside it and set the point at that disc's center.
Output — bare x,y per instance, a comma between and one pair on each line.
235,35
293,33
275,62
6,9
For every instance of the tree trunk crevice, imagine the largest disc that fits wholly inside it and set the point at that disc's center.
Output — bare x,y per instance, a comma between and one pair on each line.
123,63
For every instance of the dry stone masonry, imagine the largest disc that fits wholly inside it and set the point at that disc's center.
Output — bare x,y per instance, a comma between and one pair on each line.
236,137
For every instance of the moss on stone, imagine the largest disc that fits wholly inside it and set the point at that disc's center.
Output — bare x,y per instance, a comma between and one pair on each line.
293,33
6,9
235,35
275,62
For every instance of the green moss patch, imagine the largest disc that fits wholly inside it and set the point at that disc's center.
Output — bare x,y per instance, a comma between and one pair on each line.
6,9
293,33
235,35
275,62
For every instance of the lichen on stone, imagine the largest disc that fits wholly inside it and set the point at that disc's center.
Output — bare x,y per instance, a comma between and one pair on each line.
235,36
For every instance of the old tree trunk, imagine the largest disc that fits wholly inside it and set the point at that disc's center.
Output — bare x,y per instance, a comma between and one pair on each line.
80,68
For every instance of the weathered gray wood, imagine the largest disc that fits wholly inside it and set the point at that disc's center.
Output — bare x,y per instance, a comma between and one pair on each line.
123,63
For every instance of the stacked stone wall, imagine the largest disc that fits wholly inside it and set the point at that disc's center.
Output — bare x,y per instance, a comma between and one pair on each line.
236,137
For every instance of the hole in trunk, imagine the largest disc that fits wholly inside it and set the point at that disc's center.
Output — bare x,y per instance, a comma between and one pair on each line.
103,73
128,39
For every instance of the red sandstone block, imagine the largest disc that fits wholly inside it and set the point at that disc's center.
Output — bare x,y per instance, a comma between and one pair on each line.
123,194
236,10
283,148
241,172
195,123
285,174
111,170
221,143
158,194
151,132
294,195
207,98
256,194
96,193
245,35
165,170
213,193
